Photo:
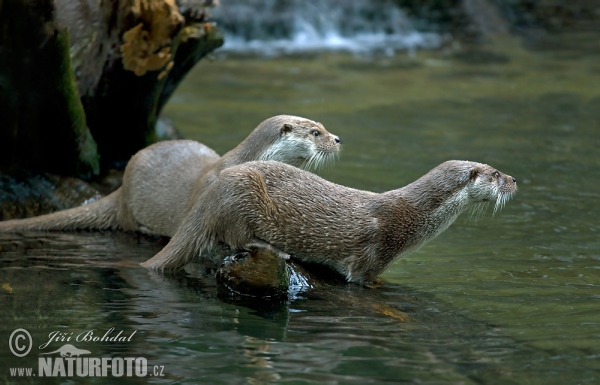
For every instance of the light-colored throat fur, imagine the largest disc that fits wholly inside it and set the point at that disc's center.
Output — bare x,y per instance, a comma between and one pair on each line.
435,220
444,215
290,149
439,219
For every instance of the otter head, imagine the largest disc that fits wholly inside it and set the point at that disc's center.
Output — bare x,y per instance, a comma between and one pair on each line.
302,143
486,184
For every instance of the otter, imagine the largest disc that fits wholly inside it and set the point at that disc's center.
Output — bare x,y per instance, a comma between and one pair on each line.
161,182
357,233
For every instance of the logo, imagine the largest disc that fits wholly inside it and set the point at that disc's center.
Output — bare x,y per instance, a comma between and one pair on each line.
69,350
71,361
17,345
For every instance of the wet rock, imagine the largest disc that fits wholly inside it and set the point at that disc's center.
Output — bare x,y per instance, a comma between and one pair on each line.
35,194
259,273
262,274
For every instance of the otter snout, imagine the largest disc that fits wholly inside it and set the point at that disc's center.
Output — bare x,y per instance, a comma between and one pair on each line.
507,184
508,179
337,139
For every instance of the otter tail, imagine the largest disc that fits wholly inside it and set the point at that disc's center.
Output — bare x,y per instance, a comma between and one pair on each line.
99,215
186,243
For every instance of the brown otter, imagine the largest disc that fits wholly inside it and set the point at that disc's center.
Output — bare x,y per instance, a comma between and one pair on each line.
357,233
161,182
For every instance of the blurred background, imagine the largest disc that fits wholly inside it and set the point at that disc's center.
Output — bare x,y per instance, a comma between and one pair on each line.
285,26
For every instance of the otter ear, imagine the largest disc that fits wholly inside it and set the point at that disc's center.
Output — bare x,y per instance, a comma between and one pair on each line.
286,128
473,173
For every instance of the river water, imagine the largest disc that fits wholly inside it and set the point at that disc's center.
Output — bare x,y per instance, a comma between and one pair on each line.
507,299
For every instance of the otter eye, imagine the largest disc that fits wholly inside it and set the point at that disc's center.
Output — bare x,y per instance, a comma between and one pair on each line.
315,133
496,174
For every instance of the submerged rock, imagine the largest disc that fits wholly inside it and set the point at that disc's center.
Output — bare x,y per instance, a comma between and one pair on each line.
259,273
262,274
264,282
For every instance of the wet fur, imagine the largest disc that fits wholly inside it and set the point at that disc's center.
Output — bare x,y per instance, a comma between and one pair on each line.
161,182
358,233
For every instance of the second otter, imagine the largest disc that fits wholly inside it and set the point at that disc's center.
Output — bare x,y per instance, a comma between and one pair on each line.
357,233
161,182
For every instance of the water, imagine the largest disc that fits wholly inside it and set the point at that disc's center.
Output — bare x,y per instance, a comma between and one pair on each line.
509,299
272,27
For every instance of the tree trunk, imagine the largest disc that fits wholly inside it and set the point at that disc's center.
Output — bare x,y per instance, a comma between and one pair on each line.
42,121
108,65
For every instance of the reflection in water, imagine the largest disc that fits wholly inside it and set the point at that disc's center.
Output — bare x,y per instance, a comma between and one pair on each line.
510,298
78,282
531,270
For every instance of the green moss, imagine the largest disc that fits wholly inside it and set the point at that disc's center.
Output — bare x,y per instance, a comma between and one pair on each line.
67,87
42,121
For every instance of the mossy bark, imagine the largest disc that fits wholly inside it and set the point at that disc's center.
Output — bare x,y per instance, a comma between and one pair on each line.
190,50
126,106
121,65
42,121
81,86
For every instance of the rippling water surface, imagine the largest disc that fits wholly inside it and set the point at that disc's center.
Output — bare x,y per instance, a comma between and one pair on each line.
513,298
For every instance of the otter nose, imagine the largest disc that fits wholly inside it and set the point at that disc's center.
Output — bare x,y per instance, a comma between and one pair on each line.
337,140
514,180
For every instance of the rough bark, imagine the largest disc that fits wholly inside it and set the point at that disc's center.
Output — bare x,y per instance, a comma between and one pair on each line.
42,121
109,65
148,49
81,86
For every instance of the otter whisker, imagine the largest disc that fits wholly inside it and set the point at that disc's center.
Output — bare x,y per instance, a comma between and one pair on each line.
501,201
330,158
321,160
311,162
308,163
498,204
477,211
316,161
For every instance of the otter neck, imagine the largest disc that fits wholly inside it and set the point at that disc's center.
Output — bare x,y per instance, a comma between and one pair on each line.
431,193
247,151
439,205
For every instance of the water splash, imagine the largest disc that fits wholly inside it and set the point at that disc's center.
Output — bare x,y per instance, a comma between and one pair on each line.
274,27
298,284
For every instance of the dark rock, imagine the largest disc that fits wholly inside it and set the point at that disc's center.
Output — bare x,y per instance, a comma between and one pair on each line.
35,194
259,273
